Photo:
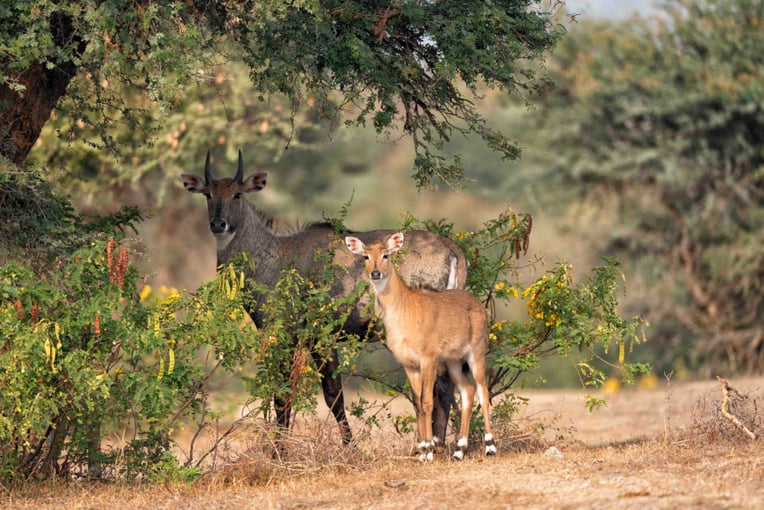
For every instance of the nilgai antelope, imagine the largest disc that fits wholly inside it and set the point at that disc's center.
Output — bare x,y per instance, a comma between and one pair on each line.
429,332
238,227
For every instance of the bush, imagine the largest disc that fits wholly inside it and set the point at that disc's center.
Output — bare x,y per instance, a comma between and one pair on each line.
84,358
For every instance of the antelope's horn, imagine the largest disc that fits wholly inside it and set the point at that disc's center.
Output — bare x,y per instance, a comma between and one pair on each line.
240,170
207,170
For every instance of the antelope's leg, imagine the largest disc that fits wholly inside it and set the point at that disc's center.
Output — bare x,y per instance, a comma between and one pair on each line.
477,366
428,386
331,383
467,393
443,400
414,376
283,412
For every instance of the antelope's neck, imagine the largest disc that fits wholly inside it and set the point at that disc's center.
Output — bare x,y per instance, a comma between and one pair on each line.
250,236
392,294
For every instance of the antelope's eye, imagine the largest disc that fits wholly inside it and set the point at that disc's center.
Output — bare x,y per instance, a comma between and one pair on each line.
366,257
385,256
237,196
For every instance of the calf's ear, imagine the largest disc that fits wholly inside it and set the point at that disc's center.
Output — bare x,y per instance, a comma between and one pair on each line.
355,245
395,242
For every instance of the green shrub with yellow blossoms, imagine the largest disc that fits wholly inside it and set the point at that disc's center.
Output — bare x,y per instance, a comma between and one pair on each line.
98,372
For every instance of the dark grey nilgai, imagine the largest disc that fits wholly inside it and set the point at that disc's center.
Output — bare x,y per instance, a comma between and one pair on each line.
238,227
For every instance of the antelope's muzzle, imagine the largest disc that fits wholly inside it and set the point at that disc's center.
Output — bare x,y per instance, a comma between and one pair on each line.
218,226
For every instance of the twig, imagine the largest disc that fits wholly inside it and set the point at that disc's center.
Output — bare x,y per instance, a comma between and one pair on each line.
726,390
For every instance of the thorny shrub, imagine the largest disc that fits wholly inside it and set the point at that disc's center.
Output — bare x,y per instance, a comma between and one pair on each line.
95,378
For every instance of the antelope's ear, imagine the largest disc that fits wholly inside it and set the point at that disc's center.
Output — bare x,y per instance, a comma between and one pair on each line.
395,242
255,182
355,245
192,183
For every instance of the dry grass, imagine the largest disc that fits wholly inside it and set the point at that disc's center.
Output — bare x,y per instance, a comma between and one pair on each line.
665,448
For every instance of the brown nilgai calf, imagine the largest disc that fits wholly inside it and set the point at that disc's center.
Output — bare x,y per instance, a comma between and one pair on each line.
430,332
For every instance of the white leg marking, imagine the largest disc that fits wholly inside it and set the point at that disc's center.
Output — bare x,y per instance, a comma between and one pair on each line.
479,391
458,455
490,447
462,442
463,395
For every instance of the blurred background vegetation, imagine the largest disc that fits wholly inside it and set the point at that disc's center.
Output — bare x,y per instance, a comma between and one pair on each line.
649,148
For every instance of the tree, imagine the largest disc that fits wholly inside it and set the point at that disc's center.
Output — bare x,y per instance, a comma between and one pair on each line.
668,115
397,63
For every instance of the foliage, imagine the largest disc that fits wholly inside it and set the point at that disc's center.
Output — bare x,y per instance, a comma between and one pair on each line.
223,115
411,65
398,63
304,329
38,224
667,115
85,358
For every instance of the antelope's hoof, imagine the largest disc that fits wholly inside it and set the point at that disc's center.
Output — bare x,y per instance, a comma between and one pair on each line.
425,456
425,451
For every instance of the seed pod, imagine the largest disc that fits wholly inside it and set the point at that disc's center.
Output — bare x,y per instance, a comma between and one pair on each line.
110,253
156,324
170,361
19,309
53,358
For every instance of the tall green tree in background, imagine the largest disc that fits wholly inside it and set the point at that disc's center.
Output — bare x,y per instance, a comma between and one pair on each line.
398,64
668,115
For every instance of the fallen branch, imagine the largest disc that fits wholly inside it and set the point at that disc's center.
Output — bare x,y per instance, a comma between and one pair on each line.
726,390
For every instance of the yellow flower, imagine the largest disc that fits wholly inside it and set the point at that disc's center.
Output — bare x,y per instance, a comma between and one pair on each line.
499,286
145,293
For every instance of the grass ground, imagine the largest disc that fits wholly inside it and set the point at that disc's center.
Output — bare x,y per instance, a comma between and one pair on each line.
667,447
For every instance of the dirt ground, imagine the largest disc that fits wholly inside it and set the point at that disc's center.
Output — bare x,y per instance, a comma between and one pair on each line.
665,447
